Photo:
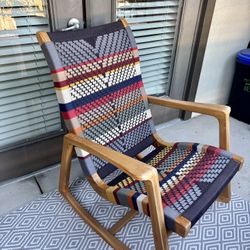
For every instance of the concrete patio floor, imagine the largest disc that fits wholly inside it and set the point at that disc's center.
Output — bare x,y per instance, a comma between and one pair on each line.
203,129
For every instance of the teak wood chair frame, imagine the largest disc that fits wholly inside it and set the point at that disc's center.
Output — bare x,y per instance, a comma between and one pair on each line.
140,171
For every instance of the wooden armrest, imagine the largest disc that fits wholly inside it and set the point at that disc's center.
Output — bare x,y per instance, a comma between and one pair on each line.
219,111
134,168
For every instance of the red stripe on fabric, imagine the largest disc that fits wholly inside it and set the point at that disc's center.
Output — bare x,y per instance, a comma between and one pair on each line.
213,150
120,64
56,70
69,114
61,84
116,196
140,84
102,101
126,90
167,155
130,200
101,71
122,134
99,59
183,187
64,83
148,210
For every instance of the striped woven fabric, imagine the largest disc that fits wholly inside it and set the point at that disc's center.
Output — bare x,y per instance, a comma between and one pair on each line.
99,87
191,177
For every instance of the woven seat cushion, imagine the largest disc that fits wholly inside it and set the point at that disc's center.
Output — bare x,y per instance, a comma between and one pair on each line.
191,177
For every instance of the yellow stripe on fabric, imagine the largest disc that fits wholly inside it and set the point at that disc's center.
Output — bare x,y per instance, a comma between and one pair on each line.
111,134
171,168
119,68
59,76
124,183
186,168
62,88
76,131
159,156
117,58
180,159
94,66
86,80
103,118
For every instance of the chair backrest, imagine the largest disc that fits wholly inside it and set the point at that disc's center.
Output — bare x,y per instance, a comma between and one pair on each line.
98,83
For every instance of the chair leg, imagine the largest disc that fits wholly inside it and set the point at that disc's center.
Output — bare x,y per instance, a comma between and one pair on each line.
156,211
122,222
64,190
65,167
156,214
224,133
225,195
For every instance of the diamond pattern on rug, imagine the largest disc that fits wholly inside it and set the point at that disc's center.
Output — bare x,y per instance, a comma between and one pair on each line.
50,223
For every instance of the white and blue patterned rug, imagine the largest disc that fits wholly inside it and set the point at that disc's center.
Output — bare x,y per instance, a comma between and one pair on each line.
50,223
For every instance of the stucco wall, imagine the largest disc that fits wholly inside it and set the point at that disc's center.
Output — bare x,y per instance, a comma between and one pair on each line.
229,33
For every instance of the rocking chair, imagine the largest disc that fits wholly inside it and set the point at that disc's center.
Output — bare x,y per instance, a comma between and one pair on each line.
97,78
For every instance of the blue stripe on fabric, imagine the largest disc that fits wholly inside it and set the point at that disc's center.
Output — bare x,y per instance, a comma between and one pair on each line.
122,196
66,107
194,212
170,217
180,165
109,168
152,154
87,166
97,95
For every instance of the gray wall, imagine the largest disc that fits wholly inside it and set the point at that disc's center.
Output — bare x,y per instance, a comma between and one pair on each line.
229,33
